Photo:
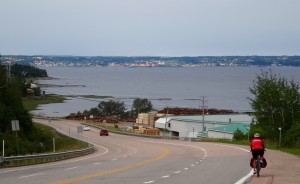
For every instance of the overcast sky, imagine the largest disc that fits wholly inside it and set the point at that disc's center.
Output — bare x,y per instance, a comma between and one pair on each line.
150,27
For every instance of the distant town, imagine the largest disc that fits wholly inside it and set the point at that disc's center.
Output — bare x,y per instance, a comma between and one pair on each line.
148,61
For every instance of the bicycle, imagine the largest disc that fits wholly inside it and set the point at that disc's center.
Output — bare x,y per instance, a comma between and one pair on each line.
259,163
258,166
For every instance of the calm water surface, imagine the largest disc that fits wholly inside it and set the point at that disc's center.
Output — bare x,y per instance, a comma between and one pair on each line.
222,87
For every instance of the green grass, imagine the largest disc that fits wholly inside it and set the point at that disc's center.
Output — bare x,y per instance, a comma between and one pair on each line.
293,151
32,103
62,142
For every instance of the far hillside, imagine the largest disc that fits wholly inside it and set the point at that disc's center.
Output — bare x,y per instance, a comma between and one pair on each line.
27,71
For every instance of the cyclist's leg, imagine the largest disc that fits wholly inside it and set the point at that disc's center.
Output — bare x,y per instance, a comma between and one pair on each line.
261,154
254,156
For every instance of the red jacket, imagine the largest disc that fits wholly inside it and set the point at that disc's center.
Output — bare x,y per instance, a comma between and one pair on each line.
257,143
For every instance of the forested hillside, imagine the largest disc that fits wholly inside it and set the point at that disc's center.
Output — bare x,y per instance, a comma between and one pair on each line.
29,139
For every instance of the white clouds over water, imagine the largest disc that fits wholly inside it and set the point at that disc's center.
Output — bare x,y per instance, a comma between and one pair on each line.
150,27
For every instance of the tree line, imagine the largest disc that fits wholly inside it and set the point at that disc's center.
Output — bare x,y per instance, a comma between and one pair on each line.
31,138
276,105
118,109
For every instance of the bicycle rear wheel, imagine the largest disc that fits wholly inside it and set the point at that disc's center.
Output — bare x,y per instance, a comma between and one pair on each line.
258,166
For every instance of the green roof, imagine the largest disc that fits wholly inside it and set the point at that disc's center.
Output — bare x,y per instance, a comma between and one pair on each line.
226,119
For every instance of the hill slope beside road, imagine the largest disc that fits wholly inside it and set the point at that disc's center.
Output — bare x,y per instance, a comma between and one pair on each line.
282,168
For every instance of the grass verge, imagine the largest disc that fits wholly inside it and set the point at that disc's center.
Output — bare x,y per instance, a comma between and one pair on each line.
62,142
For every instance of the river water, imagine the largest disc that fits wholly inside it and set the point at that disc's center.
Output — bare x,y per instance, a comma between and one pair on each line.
221,87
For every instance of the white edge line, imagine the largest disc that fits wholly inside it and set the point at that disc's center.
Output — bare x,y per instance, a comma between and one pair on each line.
71,168
243,179
148,182
31,175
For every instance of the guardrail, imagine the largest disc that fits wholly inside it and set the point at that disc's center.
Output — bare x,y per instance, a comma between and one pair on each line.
43,158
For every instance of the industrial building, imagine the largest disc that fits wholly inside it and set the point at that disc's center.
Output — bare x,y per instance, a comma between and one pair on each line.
211,126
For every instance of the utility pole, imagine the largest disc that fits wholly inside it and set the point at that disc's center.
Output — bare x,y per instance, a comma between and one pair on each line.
166,121
202,106
8,74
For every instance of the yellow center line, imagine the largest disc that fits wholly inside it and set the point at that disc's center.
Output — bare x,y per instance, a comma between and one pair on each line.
165,153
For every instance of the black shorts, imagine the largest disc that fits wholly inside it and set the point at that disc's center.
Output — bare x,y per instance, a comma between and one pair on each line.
257,152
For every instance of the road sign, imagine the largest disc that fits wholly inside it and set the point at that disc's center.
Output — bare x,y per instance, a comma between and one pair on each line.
15,125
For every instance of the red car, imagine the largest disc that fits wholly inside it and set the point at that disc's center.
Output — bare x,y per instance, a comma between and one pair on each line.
103,132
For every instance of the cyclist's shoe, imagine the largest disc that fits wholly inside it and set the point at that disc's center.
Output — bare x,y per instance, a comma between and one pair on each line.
254,171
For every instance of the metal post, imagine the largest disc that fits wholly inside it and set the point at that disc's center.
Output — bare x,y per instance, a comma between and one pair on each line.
193,133
248,133
132,120
248,136
166,120
3,149
17,141
279,137
16,127
53,144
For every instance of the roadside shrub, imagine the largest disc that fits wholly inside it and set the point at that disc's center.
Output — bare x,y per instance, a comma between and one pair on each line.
239,135
292,137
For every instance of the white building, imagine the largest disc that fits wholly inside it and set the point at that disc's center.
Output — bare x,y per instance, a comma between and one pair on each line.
213,126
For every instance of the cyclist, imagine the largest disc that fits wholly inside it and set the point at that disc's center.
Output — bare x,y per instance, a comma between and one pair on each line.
257,148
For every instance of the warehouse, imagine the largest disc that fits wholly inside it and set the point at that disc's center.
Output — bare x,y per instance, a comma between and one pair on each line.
211,126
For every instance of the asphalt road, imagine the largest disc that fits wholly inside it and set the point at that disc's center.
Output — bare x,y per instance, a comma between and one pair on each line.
123,159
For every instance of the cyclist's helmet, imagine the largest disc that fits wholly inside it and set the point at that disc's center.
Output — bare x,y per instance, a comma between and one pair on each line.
256,135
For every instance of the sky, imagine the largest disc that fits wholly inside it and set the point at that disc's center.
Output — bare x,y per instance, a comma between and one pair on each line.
150,27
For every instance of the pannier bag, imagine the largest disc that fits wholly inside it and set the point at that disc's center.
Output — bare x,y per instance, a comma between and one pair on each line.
263,163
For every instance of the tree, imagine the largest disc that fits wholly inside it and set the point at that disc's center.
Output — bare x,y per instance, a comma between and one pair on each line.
94,111
111,108
276,102
239,135
141,105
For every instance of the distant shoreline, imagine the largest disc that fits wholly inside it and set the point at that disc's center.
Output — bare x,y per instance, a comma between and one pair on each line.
155,61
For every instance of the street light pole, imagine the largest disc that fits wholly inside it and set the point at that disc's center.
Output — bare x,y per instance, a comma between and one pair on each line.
279,137
3,149
193,133
248,133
